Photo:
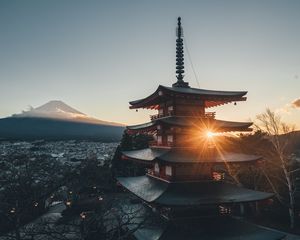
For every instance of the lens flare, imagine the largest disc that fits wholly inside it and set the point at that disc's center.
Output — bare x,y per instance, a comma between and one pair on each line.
209,134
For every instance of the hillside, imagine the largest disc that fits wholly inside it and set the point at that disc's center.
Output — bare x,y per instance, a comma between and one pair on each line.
27,128
57,120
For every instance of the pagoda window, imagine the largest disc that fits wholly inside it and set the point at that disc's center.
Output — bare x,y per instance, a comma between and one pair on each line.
160,93
168,170
170,139
156,168
159,140
170,110
161,112
158,127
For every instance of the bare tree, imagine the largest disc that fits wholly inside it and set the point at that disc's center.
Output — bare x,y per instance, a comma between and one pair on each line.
118,219
278,158
25,185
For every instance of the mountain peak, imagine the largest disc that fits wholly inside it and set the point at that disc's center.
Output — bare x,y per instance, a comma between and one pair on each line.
55,106
57,109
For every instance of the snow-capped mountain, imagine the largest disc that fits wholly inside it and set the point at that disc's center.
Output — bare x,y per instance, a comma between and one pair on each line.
56,120
59,110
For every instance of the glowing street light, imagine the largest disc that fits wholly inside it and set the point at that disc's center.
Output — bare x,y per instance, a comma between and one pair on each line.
83,215
13,210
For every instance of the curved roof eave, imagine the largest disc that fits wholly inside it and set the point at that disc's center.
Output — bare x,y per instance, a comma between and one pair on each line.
180,156
189,193
192,121
236,95
146,154
141,126
136,103
205,92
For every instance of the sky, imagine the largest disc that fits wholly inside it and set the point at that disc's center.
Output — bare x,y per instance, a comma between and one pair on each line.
96,56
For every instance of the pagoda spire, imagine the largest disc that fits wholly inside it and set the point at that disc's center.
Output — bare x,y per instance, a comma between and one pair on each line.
179,57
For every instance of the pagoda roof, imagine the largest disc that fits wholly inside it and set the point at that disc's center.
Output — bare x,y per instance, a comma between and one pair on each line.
161,192
215,228
146,154
214,124
147,225
183,155
212,98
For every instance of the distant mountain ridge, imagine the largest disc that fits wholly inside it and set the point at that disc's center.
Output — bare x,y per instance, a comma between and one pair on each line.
59,110
293,138
57,120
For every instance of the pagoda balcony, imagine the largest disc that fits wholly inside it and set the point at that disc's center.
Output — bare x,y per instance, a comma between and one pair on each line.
152,143
160,115
210,115
163,144
155,116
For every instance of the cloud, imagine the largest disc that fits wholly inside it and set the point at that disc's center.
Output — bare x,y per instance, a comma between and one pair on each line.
296,103
284,110
289,107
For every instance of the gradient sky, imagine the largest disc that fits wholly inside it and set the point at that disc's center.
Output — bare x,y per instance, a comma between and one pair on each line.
98,55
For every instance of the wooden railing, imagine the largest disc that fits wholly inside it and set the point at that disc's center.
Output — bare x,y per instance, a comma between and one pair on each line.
153,143
156,116
210,115
163,144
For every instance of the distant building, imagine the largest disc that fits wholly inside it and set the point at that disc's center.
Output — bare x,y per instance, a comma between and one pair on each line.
185,181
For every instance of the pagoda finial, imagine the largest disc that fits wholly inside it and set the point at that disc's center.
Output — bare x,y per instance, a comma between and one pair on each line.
179,57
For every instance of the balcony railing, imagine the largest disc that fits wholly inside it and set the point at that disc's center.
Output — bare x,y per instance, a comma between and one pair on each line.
162,144
160,115
153,143
155,116
210,115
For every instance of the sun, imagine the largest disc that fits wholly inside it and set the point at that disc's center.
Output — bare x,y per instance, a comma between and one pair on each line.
209,134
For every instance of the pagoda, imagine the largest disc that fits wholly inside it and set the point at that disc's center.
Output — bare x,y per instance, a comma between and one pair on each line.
186,179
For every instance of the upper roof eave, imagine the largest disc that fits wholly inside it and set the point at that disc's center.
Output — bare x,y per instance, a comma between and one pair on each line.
154,98
205,92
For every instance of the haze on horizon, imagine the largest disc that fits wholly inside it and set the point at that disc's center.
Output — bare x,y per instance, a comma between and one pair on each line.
98,55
